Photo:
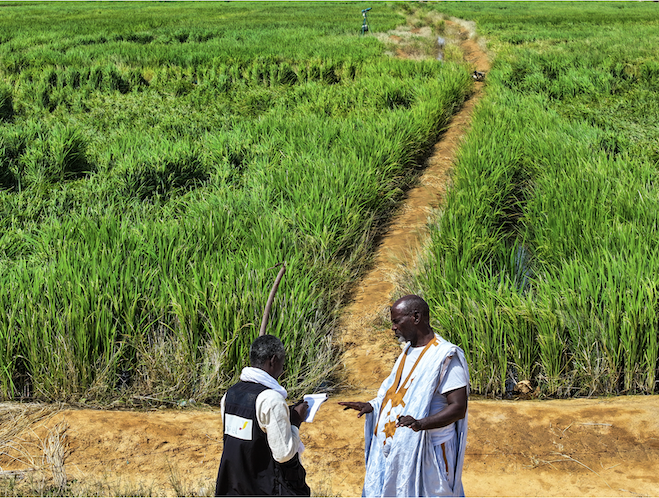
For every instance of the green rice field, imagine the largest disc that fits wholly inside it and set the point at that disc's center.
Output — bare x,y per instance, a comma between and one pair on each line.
544,264
158,159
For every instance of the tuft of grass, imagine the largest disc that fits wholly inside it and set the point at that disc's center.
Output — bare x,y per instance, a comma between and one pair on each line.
55,450
6,102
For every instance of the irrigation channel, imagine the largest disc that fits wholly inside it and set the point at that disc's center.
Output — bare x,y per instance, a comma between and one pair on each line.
594,447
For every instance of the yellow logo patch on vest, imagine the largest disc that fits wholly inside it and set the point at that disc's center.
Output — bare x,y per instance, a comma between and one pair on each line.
238,427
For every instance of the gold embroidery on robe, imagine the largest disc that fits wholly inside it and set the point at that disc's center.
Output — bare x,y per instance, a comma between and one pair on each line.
397,391
389,429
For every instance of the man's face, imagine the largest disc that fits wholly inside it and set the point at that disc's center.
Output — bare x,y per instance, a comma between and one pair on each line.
404,325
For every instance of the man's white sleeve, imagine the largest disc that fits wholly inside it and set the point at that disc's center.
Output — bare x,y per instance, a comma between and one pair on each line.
274,419
454,378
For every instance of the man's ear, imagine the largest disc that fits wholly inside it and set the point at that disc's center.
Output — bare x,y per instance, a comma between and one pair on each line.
417,317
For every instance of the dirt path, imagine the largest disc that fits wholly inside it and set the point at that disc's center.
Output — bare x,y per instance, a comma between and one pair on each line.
600,447
362,339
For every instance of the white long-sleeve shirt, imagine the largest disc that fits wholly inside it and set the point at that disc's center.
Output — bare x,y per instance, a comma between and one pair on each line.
273,417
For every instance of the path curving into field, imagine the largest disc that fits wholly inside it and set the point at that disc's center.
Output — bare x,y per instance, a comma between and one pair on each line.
598,447
369,350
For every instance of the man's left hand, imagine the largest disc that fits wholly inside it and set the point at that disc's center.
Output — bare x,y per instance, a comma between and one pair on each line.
454,411
299,413
409,421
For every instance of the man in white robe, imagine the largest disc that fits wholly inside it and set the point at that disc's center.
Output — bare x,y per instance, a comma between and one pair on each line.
416,427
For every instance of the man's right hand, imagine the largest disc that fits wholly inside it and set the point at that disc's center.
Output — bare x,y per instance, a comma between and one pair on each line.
299,413
360,406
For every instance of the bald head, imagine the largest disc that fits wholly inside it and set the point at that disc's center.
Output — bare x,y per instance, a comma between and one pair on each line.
410,304
410,320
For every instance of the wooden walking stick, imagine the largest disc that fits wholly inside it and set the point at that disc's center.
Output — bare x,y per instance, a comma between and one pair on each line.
271,297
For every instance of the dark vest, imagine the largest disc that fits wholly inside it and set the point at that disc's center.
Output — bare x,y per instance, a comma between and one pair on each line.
247,466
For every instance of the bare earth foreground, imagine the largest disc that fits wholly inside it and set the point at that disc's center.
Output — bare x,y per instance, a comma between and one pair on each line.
593,447
597,447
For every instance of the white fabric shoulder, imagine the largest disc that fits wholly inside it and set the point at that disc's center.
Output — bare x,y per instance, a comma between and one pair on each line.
454,378
252,374
269,404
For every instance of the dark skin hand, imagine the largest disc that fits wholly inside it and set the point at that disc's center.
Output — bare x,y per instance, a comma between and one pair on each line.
360,406
456,409
299,413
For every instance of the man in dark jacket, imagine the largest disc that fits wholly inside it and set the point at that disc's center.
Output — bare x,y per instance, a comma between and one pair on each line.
261,433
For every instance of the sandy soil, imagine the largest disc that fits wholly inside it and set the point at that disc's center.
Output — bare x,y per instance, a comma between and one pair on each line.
596,447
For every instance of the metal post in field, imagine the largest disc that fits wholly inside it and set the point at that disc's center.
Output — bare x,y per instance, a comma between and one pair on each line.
365,21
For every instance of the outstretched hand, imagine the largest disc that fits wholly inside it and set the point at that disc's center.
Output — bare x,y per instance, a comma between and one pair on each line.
360,406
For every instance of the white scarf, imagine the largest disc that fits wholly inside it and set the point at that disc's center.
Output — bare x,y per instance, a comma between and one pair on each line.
252,374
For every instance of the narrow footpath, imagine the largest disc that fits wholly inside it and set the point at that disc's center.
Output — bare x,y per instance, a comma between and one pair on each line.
369,350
